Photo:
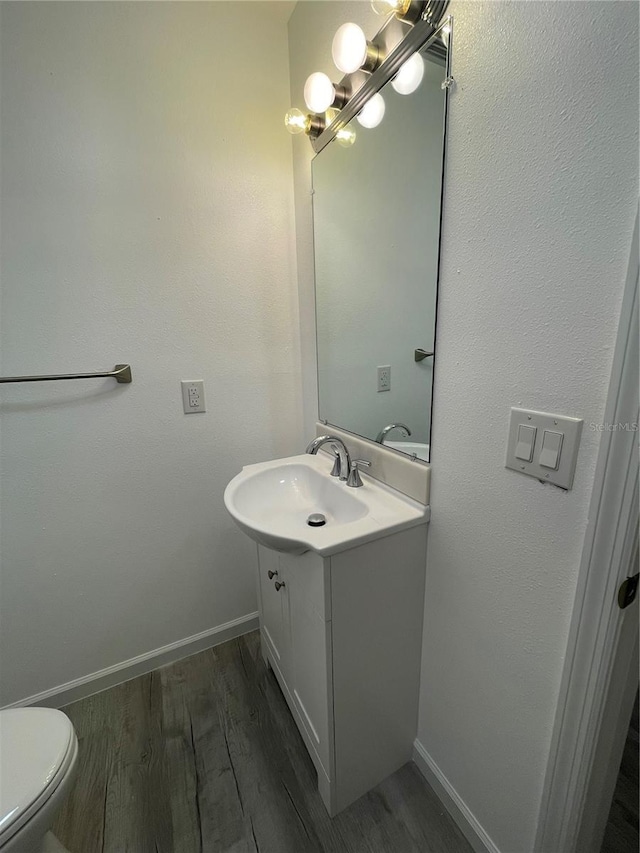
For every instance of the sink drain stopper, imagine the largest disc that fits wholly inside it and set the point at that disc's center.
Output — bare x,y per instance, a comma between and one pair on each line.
316,519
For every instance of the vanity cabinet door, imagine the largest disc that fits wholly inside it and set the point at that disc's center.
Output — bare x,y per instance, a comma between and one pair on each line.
275,607
311,651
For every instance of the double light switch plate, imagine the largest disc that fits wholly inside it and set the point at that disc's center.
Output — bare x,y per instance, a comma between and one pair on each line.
543,446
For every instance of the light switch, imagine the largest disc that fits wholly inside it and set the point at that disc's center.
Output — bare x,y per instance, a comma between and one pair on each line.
543,445
550,452
526,442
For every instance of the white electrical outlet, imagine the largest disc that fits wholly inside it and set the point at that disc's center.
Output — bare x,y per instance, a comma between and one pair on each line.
384,377
192,396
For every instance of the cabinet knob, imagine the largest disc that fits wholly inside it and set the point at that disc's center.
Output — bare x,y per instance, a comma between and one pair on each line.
271,574
278,585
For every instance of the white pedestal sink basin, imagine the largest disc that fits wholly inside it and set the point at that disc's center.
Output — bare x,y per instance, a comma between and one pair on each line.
271,502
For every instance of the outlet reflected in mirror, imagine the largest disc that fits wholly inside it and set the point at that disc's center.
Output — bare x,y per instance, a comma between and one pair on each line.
376,207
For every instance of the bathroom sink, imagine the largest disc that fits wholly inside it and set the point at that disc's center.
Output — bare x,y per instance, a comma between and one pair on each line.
272,501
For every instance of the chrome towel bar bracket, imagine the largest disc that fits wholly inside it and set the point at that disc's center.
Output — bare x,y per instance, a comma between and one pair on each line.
121,373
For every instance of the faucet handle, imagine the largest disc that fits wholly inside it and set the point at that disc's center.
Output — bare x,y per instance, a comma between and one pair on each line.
354,479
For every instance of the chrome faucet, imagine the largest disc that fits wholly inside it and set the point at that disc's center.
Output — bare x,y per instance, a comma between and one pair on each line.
342,464
355,480
383,432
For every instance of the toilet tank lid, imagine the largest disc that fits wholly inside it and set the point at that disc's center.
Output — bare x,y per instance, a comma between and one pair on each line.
34,743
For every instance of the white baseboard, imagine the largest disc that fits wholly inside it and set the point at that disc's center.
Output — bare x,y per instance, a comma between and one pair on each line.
80,688
452,801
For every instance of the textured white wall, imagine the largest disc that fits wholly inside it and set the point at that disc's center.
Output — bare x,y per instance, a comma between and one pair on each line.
542,188
147,217
540,198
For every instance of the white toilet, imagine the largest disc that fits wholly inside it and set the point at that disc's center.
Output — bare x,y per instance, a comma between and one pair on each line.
38,754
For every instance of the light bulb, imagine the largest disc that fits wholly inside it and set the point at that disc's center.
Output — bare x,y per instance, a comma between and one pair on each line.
296,121
346,137
390,7
319,92
373,111
351,50
410,75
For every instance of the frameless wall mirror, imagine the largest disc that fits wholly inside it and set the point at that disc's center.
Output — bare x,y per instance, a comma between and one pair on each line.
376,208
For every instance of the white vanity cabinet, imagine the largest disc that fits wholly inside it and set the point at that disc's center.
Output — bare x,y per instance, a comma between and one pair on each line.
343,637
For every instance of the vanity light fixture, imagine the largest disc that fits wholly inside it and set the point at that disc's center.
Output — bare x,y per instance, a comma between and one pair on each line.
373,111
410,75
334,105
320,93
351,51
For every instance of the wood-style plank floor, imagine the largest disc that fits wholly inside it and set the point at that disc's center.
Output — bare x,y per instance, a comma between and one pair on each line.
622,832
203,756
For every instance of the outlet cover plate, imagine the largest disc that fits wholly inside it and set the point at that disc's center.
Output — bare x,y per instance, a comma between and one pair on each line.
192,396
384,377
571,429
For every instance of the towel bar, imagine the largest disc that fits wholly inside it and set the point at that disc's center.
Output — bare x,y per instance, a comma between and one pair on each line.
121,373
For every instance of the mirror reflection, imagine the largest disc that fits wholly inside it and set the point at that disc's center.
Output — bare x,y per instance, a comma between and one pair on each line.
376,205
